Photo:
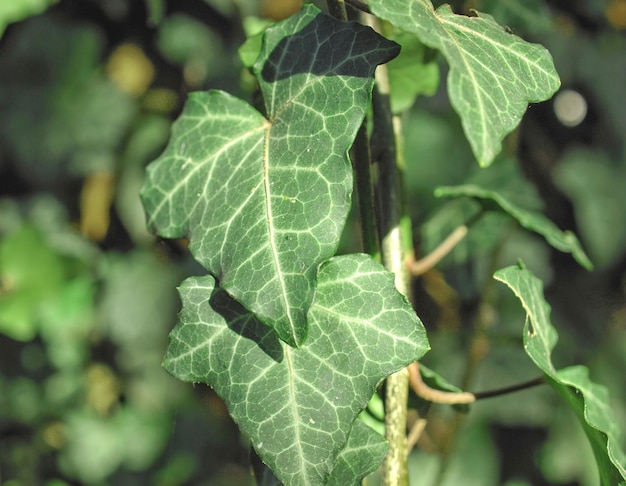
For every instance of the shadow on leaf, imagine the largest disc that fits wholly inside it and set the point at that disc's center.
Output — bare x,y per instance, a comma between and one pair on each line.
244,323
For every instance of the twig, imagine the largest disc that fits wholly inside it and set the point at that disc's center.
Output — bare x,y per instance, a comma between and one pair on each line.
422,390
415,433
510,389
421,266
359,5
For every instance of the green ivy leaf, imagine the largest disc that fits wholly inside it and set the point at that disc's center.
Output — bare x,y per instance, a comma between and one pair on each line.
588,400
298,405
264,200
564,241
493,74
414,72
32,275
363,454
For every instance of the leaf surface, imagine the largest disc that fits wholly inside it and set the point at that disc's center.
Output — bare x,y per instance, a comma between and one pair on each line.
264,199
363,454
298,405
493,74
588,400
564,241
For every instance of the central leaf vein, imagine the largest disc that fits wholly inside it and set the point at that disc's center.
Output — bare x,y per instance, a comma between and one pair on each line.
271,233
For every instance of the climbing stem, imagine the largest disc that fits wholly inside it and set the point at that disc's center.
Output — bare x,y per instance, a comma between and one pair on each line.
361,161
389,191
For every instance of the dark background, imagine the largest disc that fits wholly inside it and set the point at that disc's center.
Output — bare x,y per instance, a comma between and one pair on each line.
88,91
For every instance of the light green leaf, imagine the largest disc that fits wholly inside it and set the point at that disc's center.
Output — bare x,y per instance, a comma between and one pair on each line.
493,74
298,405
16,10
264,200
414,72
564,241
32,275
588,400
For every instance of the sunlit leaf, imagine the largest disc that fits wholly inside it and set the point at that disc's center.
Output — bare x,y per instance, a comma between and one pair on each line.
564,241
31,276
16,10
298,405
588,400
493,74
264,200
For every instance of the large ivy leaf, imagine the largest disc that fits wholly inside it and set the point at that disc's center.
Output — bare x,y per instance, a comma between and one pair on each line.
564,241
264,199
298,405
493,74
588,400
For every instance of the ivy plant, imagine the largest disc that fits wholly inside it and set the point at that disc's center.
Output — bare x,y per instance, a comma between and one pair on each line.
295,339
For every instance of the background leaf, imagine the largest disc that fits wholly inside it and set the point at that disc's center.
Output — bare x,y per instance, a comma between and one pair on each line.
282,183
588,400
493,74
298,405
565,241
20,9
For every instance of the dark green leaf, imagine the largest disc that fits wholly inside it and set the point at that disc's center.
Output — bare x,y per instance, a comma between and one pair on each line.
264,200
298,405
363,454
588,400
493,74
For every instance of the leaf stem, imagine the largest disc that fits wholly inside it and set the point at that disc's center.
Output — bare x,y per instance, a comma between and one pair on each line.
540,380
389,193
422,390
337,8
424,264
359,5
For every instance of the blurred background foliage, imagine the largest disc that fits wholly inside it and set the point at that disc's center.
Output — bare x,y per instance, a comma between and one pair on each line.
88,90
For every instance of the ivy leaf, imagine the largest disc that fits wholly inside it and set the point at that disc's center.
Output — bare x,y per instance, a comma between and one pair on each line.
564,241
363,454
493,74
588,400
298,405
264,199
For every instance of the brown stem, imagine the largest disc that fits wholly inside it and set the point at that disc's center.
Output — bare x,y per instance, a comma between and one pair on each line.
421,266
422,390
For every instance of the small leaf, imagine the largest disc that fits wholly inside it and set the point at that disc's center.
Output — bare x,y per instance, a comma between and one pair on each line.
493,74
412,73
564,241
264,200
298,405
588,400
